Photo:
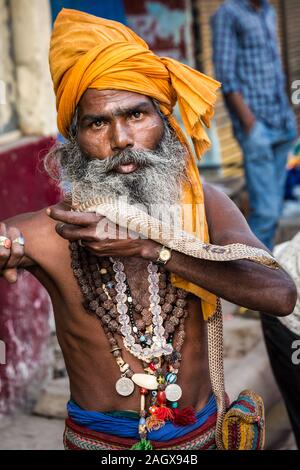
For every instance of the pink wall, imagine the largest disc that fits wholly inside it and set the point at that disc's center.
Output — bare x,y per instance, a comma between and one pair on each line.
24,306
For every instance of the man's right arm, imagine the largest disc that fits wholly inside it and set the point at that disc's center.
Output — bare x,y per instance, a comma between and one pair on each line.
225,47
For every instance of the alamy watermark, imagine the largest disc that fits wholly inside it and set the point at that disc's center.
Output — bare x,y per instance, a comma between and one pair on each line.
2,352
296,353
296,93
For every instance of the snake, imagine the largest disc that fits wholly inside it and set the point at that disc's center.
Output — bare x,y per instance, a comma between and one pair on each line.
145,225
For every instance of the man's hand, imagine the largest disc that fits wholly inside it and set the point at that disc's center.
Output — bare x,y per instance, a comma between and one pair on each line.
249,123
242,110
10,255
101,236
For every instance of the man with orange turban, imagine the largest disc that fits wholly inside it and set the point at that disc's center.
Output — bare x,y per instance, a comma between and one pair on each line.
115,100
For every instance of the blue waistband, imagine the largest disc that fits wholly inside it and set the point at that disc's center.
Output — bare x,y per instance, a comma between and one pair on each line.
128,427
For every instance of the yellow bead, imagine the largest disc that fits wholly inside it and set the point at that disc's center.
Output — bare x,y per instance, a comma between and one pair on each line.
161,380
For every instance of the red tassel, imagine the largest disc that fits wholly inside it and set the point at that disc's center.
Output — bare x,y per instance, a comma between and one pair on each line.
185,416
164,413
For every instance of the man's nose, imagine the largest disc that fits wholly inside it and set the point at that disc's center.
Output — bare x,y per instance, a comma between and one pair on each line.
121,137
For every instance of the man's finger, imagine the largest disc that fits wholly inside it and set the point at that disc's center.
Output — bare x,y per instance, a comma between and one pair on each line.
74,218
73,232
17,249
10,275
4,252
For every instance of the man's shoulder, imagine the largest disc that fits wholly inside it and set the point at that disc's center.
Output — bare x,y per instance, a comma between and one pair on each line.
226,224
227,9
216,202
213,195
42,226
38,229
36,220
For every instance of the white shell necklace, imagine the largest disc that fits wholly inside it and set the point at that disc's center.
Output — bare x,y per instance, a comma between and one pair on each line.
159,344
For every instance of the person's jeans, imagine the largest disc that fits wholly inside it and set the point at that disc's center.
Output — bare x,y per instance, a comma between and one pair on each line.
279,340
265,152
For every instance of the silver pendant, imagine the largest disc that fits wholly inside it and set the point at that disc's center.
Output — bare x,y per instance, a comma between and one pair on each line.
124,386
173,392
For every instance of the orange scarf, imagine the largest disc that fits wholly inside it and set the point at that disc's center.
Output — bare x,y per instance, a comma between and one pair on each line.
91,52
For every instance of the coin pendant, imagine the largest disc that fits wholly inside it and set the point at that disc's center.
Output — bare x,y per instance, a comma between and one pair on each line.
173,392
124,386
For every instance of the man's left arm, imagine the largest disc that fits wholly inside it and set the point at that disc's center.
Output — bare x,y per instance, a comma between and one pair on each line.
242,282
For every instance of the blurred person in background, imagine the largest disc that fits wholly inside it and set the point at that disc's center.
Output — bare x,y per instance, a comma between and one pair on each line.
247,61
283,337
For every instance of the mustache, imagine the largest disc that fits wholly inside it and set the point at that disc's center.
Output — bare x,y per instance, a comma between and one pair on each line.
141,158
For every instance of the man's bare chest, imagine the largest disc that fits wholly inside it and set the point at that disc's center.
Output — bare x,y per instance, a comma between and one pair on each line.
58,277
137,279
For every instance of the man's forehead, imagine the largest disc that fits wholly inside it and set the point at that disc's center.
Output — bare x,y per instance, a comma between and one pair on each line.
108,100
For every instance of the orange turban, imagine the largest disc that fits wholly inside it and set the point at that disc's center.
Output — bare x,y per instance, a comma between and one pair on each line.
91,52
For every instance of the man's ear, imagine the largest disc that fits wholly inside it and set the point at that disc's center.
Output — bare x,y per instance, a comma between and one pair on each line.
74,123
157,108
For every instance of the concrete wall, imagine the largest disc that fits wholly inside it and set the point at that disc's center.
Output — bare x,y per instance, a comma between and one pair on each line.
24,306
8,120
31,29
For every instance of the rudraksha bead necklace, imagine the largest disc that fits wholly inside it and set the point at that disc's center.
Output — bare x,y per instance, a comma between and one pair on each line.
154,334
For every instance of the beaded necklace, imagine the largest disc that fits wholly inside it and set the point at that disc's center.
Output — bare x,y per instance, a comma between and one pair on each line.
155,334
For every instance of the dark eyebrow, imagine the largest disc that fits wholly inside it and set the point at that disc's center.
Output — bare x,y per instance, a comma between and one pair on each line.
121,111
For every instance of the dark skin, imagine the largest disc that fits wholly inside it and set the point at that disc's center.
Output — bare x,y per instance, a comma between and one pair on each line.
91,368
256,4
237,103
